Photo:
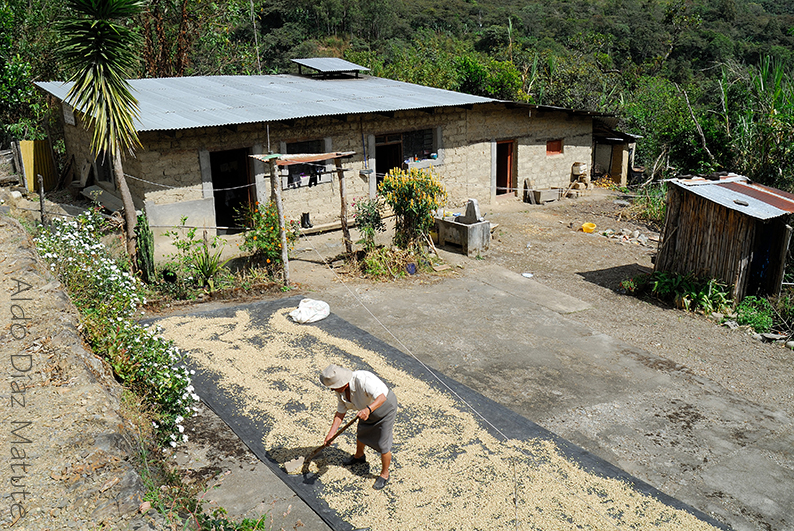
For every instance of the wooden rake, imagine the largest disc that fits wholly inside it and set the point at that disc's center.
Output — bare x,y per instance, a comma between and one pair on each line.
303,462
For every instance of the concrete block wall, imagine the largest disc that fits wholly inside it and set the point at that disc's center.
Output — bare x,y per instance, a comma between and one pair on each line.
531,130
175,162
465,140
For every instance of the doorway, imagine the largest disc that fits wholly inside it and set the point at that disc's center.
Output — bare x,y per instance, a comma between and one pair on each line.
230,177
388,154
504,168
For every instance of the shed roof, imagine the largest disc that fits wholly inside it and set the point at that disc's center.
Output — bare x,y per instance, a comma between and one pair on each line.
739,193
330,65
207,101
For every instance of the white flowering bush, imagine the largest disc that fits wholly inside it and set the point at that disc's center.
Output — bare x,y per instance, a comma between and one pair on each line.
107,297
81,261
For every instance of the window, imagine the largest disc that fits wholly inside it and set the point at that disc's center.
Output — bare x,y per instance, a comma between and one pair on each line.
305,174
554,147
416,145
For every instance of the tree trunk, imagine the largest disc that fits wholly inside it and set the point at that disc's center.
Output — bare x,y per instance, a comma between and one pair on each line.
129,210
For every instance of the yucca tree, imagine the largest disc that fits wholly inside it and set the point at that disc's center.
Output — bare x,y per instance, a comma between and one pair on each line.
101,51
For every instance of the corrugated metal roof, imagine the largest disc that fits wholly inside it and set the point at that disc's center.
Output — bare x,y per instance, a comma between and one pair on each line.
191,102
330,65
739,193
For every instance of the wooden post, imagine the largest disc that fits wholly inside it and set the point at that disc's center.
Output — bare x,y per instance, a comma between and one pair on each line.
343,216
41,199
275,192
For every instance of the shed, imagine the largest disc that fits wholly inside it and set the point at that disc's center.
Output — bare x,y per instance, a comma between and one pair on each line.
727,228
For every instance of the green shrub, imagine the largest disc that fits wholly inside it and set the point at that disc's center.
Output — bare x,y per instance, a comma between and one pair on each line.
413,195
635,285
196,259
262,238
685,291
107,298
651,203
755,312
369,218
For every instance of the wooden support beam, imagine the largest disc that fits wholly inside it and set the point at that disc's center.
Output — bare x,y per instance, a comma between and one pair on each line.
275,187
343,215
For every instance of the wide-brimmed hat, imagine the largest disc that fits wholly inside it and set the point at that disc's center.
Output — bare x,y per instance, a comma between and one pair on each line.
335,376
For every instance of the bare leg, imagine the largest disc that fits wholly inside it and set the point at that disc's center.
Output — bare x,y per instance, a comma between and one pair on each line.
359,449
385,460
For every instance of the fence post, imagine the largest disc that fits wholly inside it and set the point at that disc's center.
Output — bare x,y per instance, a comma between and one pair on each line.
41,199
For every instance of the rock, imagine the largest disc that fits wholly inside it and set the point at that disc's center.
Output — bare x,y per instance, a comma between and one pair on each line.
635,234
757,337
733,325
790,345
642,239
717,316
768,337
620,202
608,233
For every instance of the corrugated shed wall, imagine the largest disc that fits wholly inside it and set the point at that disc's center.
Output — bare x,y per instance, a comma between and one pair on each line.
37,160
707,240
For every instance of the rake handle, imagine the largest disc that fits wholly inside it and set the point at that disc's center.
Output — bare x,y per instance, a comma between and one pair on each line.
337,434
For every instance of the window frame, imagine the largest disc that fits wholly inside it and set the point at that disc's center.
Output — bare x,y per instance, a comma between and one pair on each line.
555,147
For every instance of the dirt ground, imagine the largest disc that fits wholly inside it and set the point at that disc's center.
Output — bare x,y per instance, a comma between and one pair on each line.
547,242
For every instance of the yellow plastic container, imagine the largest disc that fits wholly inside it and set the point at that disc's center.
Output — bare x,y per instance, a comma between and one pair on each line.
588,227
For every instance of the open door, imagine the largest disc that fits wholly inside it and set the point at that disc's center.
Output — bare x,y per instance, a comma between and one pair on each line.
230,177
504,168
388,155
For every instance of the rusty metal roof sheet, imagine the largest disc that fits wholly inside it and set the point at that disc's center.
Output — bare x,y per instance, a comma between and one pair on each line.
330,65
288,160
207,101
739,193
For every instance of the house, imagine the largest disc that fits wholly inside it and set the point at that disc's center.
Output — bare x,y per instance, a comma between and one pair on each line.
727,228
198,134
613,151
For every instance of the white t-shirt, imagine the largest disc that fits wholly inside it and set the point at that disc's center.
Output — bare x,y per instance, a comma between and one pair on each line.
365,387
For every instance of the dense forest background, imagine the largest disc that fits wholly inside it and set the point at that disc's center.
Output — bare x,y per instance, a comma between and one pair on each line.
706,83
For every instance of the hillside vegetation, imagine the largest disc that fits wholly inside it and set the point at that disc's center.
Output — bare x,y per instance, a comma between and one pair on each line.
707,83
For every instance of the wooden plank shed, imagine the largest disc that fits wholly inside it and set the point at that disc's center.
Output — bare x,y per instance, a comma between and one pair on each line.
730,229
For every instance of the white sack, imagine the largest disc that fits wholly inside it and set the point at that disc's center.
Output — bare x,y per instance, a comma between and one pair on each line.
309,311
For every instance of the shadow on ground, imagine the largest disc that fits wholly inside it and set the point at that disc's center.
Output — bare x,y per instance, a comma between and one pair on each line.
611,277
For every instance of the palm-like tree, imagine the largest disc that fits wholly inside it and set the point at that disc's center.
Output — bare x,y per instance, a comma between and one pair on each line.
101,51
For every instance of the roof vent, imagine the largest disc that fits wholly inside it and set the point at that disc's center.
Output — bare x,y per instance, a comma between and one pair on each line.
326,67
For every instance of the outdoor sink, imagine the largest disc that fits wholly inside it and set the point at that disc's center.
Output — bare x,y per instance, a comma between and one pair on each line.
469,231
